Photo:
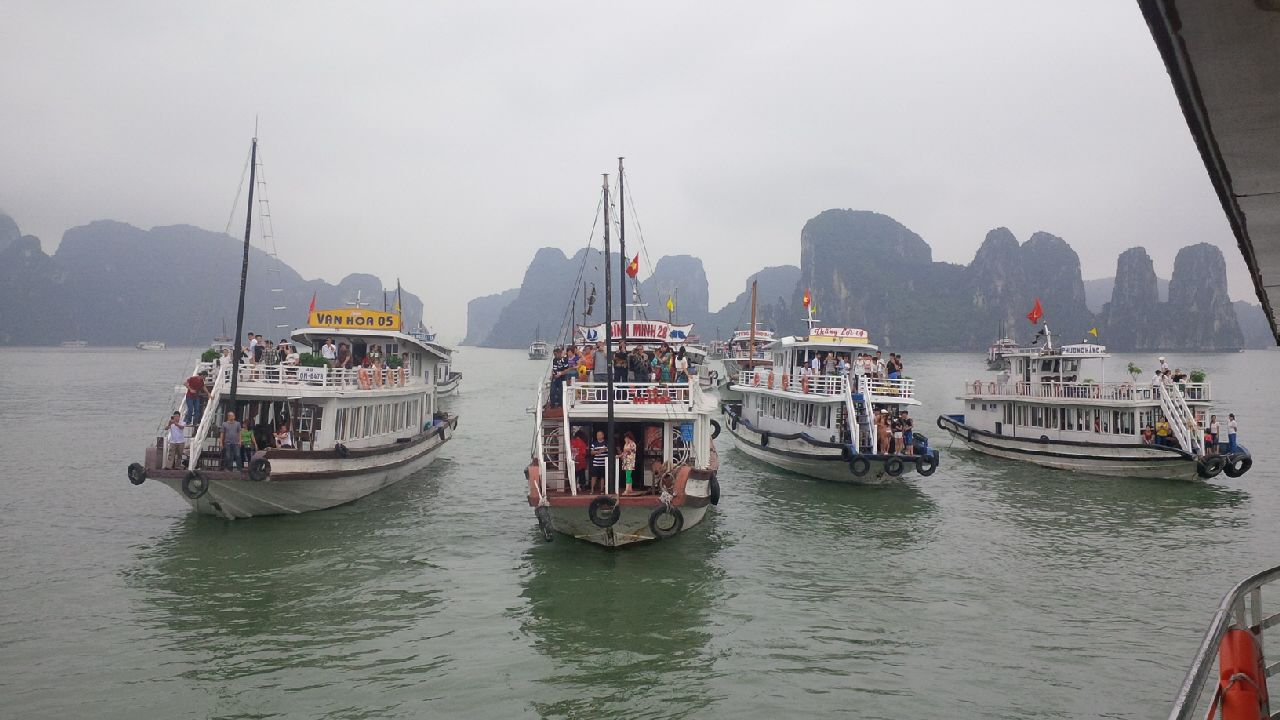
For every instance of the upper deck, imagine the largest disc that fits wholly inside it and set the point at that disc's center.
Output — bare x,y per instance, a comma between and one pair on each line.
827,388
275,381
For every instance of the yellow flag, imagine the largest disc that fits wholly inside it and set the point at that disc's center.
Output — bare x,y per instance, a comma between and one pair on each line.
671,304
1093,332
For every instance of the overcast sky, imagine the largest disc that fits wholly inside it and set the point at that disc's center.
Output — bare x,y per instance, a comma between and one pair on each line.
445,142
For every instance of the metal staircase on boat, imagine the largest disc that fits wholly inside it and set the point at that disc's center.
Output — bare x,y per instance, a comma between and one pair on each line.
862,409
1181,420
208,419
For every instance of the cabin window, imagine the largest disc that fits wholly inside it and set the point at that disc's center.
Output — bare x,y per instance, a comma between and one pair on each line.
1008,414
308,423
340,425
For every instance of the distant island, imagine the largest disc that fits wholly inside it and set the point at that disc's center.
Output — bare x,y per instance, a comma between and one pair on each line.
110,283
866,269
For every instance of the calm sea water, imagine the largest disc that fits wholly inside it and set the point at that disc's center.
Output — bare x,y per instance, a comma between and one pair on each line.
989,590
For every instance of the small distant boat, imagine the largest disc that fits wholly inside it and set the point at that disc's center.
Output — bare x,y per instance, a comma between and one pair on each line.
151,345
223,341
996,353
447,379
75,344
539,350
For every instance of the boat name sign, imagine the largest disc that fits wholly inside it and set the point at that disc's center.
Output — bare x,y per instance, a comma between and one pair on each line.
355,318
640,330
853,336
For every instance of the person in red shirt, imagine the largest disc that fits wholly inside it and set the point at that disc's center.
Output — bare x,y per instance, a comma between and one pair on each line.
196,395
579,449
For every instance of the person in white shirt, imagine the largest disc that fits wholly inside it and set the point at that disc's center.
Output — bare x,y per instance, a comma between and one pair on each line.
291,356
329,352
283,438
177,440
1164,366
1232,428
815,363
1215,431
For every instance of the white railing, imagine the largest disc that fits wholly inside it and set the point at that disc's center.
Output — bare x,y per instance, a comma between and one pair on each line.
538,449
256,375
630,393
1179,418
1083,391
207,421
772,379
880,387
568,453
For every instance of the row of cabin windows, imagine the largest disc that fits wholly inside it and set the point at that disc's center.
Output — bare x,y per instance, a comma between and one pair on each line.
353,423
793,411
1076,419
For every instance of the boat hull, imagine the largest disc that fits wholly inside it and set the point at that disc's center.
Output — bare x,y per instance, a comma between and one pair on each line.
304,485
1147,461
800,457
449,385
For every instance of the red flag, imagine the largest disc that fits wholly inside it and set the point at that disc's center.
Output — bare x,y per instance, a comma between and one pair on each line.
633,267
807,299
312,308
1036,313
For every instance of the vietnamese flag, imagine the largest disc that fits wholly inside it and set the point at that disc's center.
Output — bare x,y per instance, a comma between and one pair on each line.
312,307
807,299
1036,313
633,267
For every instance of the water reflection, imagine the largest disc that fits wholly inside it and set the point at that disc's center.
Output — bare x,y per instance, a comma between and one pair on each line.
628,630
280,596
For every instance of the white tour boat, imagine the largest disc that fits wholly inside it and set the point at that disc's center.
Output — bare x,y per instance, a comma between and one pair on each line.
447,379
1047,408
670,423
746,351
151,345
824,425
539,350
330,435
75,344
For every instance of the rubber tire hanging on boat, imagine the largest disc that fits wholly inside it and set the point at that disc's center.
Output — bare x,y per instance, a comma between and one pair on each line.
893,466
713,490
764,439
1209,466
342,450
137,473
657,513
543,513
1238,467
192,478
259,469
715,433
939,423
924,470
604,521
846,452
859,466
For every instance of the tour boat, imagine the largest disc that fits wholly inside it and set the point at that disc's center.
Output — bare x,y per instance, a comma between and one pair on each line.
447,379
151,345
75,344
746,350
1047,408
998,349
823,425
342,433
539,350
1232,657
673,428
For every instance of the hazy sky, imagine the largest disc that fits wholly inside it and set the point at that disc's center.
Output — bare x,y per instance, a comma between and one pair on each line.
445,142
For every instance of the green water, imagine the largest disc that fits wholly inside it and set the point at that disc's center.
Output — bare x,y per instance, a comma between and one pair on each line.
989,590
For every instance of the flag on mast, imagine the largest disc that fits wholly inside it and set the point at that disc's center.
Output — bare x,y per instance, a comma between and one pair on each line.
807,298
1093,332
1036,313
397,296
671,304
633,267
312,308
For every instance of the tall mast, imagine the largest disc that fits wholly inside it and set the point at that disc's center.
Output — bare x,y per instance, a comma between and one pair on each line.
244,272
751,340
622,253
608,336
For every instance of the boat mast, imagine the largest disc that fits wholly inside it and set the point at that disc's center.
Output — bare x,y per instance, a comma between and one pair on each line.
751,342
622,254
244,274
608,339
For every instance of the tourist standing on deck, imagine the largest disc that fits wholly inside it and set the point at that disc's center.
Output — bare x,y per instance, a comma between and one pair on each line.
628,459
578,446
177,440
561,368
231,443
1215,430
908,434
639,365
329,352
1231,433
196,395
599,457
681,364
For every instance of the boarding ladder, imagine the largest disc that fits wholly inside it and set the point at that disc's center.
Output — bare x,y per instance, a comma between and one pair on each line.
555,462
1179,415
870,437
208,419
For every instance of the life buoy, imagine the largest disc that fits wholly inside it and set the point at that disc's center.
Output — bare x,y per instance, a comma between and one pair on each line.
608,504
764,439
770,380
786,381
1242,676
344,453
259,469
893,466
859,466
1209,466
677,521
715,429
137,473
804,384
543,513
926,464
1236,467
366,382
755,379
194,485
713,490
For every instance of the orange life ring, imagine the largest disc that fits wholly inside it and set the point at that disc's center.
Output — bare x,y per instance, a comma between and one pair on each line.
771,380
363,376
786,381
804,384
1242,676
755,379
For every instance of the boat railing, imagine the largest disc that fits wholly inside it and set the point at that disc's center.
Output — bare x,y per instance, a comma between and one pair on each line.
771,379
1126,391
631,393
885,387
208,420
539,451
1241,609
744,355
257,375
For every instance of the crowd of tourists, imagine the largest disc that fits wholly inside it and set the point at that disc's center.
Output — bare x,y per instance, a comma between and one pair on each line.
876,366
593,363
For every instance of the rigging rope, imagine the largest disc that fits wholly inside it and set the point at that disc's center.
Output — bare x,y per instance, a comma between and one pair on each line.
566,326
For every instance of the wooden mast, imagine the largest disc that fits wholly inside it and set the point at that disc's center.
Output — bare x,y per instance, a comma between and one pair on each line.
751,341
622,253
608,341
244,275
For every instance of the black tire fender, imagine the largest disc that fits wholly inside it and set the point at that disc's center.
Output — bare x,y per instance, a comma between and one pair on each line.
859,466
764,439
137,473
194,485
940,424
1237,466
713,490
893,466
846,453
676,526
926,464
715,429
342,451
259,469
608,504
543,513
733,422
